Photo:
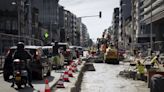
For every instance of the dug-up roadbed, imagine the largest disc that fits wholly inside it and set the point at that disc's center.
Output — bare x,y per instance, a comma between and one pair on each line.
87,67
75,83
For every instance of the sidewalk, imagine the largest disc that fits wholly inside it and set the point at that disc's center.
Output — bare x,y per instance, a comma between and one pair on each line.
39,86
1,71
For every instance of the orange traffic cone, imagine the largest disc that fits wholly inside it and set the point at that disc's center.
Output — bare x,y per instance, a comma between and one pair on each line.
60,83
47,88
70,72
74,64
71,62
65,78
75,68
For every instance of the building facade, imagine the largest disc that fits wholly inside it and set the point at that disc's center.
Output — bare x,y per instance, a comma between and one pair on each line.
153,19
115,24
125,15
13,23
84,35
48,18
61,24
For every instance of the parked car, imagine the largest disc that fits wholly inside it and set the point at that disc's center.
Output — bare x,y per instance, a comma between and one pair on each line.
56,61
40,64
79,48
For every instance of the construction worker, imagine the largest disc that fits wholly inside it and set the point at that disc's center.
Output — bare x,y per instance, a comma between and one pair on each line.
155,60
140,70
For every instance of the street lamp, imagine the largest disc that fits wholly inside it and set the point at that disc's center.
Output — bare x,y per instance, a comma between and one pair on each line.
151,29
18,16
29,21
100,15
13,3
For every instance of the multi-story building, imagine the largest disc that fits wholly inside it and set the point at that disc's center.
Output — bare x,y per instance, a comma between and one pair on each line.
125,15
48,18
74,29
84,35
115,24
13,22
153,19
71,27
61,24
136,24
79,32
67,26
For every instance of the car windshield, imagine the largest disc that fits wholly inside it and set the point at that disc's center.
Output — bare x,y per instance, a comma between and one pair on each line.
47,52
63,46
31,51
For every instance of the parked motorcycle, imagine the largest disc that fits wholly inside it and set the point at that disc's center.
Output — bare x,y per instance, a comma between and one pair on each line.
20,73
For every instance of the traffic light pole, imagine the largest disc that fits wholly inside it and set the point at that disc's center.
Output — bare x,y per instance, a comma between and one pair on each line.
89,16
100,15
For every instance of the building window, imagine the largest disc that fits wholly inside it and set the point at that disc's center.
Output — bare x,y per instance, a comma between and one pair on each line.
8,25
14,25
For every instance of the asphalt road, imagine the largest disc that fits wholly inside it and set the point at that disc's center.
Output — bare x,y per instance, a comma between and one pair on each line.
39,85
106,79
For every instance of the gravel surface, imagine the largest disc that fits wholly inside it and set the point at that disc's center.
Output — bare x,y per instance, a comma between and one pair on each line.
106,79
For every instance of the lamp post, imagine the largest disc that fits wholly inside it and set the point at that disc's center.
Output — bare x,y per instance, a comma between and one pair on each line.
100,15
29,21
14,3
151,29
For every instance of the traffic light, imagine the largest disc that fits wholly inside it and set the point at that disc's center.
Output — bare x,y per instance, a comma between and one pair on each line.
100,14
46,35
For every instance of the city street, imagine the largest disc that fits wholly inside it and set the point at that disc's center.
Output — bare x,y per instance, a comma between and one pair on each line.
82,45
38,85
106,79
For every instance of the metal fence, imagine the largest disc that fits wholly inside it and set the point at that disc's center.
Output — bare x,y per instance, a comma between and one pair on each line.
7,40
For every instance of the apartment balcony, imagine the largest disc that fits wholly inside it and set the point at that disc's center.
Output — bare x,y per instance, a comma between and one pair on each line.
144,35
146,4
158,13
155,5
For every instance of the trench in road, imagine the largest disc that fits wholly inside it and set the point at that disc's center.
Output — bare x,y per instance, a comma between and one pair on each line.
106,79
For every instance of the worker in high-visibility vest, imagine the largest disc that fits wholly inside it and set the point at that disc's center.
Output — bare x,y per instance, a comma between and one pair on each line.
155,60
140,70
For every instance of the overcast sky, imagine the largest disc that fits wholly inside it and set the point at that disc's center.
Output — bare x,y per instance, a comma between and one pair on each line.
92,7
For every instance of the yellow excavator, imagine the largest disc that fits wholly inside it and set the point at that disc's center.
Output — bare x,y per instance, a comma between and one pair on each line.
111,55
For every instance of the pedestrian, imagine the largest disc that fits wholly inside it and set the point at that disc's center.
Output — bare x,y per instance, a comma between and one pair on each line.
140,70
77,52
155,61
